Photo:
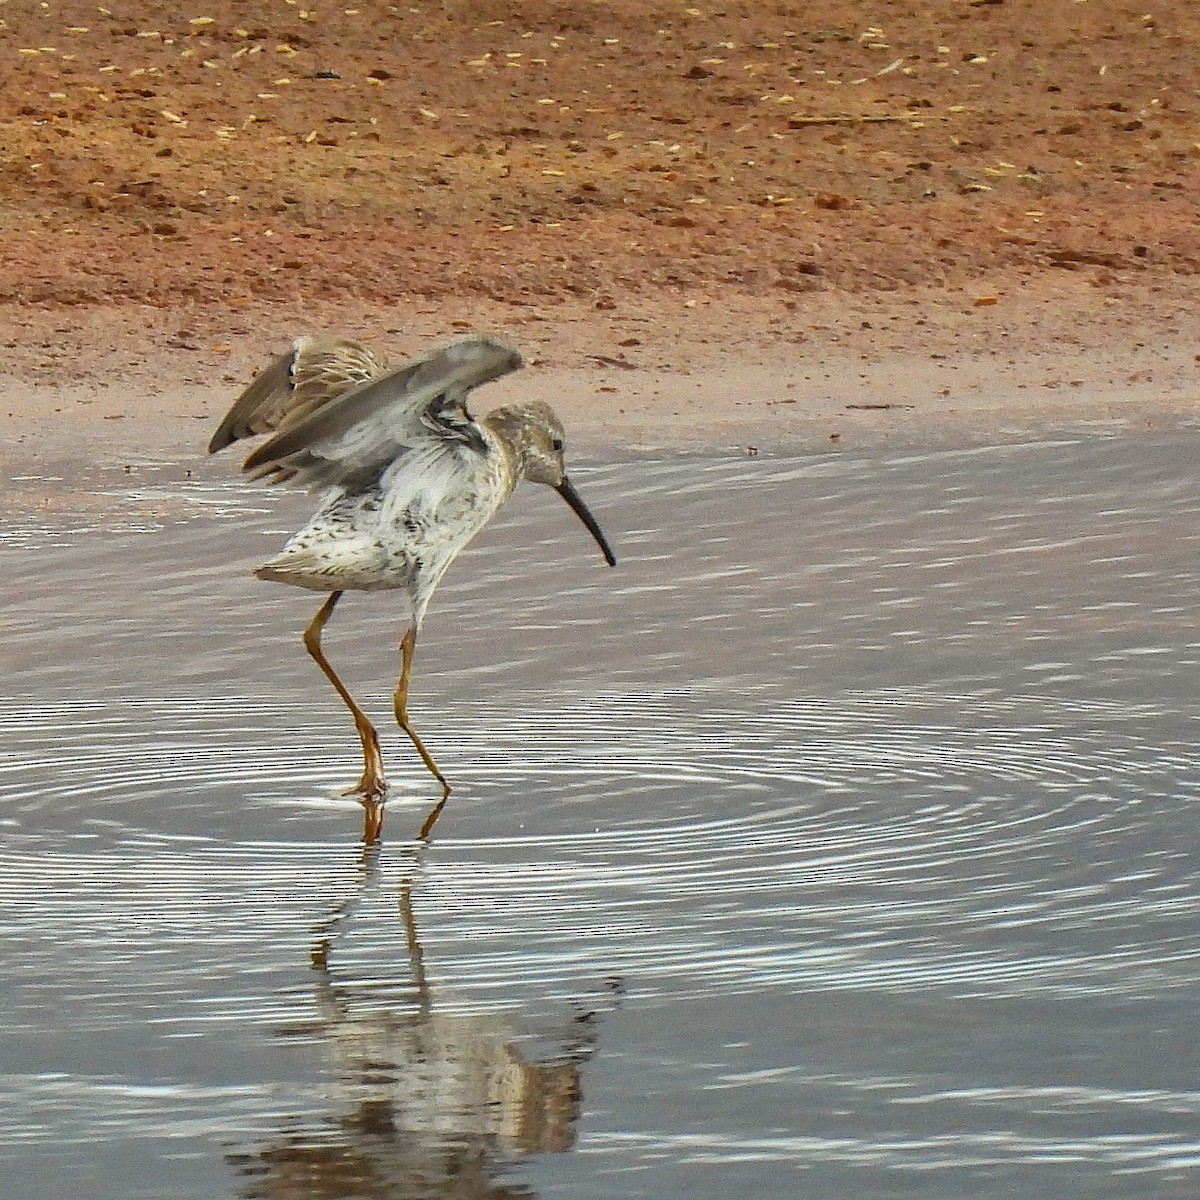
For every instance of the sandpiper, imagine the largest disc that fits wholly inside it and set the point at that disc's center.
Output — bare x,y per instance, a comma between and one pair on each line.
409,478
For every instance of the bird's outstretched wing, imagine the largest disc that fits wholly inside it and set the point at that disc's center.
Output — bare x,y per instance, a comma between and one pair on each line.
359,432
314,372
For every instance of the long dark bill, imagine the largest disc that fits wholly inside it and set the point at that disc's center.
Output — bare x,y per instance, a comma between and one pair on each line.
567,491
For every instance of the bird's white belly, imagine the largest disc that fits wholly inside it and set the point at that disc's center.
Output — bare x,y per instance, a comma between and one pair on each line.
402,532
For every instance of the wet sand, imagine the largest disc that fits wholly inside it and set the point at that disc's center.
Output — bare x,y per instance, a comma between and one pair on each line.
102,391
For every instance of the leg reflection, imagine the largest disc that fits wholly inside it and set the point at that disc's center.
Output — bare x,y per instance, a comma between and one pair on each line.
372,820
431,820
426,1099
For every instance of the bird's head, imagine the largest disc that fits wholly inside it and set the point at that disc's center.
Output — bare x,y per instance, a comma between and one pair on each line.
534,435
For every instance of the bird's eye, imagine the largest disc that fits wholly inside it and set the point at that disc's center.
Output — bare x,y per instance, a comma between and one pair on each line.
557,445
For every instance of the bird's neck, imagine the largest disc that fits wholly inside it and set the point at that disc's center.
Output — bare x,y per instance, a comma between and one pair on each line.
502,450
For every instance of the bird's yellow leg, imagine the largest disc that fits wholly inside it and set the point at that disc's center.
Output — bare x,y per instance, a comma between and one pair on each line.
407,645
371,786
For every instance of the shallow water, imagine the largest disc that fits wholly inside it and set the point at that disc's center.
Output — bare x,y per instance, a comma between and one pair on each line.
840,843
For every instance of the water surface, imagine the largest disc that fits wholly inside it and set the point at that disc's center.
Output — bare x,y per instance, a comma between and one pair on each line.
839,843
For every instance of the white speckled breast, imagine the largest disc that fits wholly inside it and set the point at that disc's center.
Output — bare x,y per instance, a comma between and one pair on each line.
403,530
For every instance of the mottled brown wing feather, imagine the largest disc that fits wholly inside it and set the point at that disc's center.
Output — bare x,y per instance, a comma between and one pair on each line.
364,429
314,372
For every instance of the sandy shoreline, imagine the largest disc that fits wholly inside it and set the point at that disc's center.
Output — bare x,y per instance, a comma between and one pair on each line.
780,229
839,374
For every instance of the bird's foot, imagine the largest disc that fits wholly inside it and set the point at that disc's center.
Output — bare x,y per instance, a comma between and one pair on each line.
370,789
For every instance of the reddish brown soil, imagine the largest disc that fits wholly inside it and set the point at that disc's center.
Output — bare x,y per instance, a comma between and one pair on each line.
849,197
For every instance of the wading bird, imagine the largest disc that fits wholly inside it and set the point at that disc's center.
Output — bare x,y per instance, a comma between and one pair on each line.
409,478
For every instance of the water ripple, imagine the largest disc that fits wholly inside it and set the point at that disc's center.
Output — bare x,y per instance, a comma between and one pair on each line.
859,842
885,826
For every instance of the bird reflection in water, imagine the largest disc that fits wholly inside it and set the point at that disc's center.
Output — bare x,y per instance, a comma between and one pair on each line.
425,1103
